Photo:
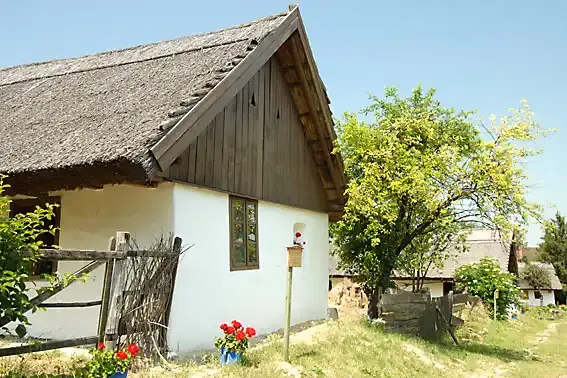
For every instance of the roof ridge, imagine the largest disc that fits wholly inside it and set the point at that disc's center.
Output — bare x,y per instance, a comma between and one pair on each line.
240,26
102,67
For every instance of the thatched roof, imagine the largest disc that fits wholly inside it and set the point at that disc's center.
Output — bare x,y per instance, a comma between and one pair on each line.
91,120
480,243
555,283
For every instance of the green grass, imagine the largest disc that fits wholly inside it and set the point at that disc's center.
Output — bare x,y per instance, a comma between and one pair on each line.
355,349
524,348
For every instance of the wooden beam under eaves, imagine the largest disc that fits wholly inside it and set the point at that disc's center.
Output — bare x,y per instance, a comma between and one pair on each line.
313,110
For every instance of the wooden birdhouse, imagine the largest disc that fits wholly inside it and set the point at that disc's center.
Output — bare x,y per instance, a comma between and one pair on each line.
294,255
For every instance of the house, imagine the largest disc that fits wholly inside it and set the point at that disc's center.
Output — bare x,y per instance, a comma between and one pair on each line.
543,296
223,139
481,243
530,253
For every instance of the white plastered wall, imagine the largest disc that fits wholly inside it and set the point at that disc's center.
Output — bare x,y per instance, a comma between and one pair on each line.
88,219
548,298
207,293
435,287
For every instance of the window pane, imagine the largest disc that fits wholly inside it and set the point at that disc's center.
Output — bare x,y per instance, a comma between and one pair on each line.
251,232
238,236
252,253
238,210
251,211
239,254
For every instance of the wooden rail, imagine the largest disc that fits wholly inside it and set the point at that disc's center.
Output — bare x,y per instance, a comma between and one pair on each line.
90,255
48,345
71,304
79,274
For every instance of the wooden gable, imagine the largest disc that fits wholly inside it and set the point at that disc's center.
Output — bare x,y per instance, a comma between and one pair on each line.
257,147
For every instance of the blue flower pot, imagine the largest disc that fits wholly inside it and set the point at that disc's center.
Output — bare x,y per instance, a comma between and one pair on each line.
229,358
119,374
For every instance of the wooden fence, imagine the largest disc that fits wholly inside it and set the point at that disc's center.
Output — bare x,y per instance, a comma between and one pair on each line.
134,281
420,315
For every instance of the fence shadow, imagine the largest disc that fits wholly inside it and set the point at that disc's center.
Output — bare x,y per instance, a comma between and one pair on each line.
503,354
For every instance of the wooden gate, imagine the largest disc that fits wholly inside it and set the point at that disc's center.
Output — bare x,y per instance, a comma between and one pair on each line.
136,295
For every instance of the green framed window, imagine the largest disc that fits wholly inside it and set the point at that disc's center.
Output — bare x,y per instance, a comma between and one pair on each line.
244,253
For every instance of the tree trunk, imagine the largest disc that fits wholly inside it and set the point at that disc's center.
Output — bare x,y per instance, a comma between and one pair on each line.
373,302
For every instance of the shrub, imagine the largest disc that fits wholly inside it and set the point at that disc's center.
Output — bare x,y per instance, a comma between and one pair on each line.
483,279
105,362
235,337
18,253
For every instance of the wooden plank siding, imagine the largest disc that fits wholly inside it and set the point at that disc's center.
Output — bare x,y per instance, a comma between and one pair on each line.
256,147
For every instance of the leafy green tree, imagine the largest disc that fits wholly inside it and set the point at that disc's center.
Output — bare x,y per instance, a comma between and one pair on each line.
483,279
18,253
431,251
536,276
419,167
553,249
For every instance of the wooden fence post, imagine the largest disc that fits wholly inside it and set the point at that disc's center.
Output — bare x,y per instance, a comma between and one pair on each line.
105,296
117,290
177,241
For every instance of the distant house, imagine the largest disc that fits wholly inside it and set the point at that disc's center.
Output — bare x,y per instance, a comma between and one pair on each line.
530,253
541,296
481,244
222,138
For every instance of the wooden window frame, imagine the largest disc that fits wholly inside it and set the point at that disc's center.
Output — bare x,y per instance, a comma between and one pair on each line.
231,222
41,201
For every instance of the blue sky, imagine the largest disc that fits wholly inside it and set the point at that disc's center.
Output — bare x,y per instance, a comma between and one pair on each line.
483,55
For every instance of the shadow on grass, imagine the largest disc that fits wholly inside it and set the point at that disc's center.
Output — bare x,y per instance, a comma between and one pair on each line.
504,354
307,353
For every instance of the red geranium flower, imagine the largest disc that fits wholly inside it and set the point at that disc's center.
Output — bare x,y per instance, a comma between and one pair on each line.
133,349
240,335
121,355
236,324
229,330
100,346
251,332
224,326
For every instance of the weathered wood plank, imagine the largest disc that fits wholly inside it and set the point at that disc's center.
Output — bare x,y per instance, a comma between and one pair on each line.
230,139
195,121
71,304
200,163
106,291
269,123
78,275
177,242
260,131
245,151
48,345
219,150
252,139
210,157
184,166
401,298
311,101
89,255
192,149
174,170
238,156
117,287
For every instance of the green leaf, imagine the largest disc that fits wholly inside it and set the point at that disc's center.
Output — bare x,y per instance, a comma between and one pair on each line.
21,330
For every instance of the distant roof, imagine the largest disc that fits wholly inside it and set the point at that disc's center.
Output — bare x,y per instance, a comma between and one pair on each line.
555,284
481,243
104,111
